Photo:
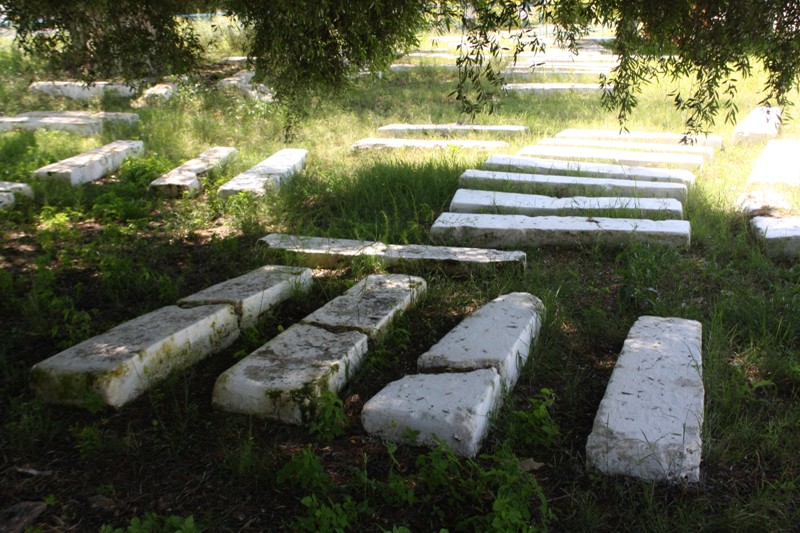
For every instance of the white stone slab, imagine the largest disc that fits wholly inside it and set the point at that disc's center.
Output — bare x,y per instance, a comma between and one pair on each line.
241,77
81,91
79,125
92,165
781,236
269,174
104,116
370,305
329,253
127,360
254,293
554,87
7,200
535,165
518,231
763,202
453,408
762,123
650,420
642,136
281,379
447,129
186,178
473,201
16,188
234,60
427,144
570,185
778,163
499,335
705,151
619,157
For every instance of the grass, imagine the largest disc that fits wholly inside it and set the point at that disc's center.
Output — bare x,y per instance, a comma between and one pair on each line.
77,261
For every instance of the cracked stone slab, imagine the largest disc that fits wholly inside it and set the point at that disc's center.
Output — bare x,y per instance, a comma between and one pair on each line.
569,185
370,305
619,157
475,201
777,164
92,165
533,165
269,174
185,179
642,136
781,236
254,293
427,144
499,335
761,123
554,87
706,152
329,253
281,379
453,408
649,423
124,362
447,129
81,91
503,231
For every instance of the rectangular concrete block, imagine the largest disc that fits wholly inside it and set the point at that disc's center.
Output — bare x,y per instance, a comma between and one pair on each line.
92,165
447,129
705,151
103,116
421,409
427,144
760,124
475,201
643,136
81,91
124,362
781,236
498,335
7,200
254,293
185,179
533,165
777,164
281,380
78,125
269,174
16,188
650,421
618,157
518,231
569,185
370,305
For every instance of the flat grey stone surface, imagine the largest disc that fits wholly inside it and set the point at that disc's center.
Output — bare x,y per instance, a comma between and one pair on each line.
504,231
92,165
186,178
781,236
763,202
650,421
536,165
16,188
370,305
7,200
79,125
455,408
81,91
104,116
122,363
326,252
395,129
641,136
281,379
475,201
498,335
553,87
254,293
619,157
705,151
777,164
570,185
434,144
761,123
269,174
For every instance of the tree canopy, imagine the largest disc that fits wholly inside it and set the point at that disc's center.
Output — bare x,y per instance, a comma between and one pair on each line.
303,47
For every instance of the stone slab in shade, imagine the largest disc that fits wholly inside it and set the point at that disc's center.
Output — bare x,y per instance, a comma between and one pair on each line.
569,185
122,363
396,129
619,157
81,91
474,201
370,305
778,163
92,165
427,144
281,379
498,335
553,87
650,420
79,125
761,123
254,293
642,136
186,178
704,151
781,236
104,116
16,188
454,408
559,167
518,231
271,173
7,200
326,252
